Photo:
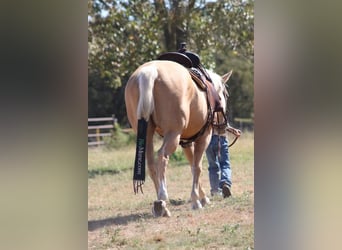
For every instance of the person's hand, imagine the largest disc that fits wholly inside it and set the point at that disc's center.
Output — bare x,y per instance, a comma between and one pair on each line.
234,131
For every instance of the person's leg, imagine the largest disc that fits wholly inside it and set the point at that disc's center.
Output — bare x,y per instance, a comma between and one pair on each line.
214,167
226,173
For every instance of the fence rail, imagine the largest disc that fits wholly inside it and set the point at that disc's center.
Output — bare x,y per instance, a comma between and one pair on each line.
100,134
244,123
95,143
97,132
101,126
100,119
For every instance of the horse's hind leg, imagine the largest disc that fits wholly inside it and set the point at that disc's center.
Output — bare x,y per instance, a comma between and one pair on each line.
169,146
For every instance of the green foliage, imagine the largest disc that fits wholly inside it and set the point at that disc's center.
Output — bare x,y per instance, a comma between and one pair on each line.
240,84
124,34
178,158
119,138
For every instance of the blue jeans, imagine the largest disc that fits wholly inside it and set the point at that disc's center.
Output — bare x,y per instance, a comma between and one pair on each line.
218,163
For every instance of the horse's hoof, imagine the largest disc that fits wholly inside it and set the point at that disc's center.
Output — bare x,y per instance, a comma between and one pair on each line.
205,201
159,209
196,205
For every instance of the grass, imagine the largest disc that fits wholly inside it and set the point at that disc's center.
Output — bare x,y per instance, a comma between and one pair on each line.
109,161
119,219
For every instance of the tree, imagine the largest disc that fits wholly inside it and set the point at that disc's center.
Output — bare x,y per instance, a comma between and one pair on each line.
122,35
118,43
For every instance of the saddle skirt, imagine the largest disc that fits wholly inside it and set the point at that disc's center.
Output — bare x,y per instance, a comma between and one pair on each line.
208,87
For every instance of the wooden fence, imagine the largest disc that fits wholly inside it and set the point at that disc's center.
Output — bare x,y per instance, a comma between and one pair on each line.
102,127
244,123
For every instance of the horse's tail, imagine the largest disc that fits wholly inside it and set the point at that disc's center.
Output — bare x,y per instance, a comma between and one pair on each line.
146,78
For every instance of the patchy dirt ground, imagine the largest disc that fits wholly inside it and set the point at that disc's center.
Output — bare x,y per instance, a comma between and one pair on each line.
119,219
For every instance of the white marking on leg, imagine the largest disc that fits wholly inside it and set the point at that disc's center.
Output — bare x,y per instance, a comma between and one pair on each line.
196,205
162,193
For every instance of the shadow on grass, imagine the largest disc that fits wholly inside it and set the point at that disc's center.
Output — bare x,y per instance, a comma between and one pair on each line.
92,173
119,220
177,202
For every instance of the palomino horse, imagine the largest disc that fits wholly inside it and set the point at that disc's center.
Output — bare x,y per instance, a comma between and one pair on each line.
164,96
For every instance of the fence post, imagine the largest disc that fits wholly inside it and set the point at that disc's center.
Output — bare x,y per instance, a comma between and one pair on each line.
114,120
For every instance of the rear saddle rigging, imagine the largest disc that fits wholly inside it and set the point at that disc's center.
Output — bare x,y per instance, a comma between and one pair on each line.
200,76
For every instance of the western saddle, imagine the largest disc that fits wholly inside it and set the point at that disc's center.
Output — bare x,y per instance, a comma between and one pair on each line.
200,76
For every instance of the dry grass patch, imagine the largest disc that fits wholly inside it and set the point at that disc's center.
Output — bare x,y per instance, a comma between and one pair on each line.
119,219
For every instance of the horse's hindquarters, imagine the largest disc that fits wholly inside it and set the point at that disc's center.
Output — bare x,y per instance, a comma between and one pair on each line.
163,93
